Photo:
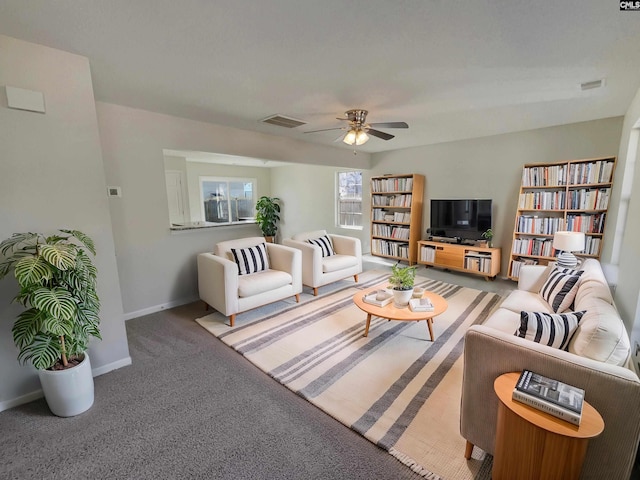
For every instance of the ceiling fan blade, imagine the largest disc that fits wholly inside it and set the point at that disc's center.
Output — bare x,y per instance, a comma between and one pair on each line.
390,125
325,130
379,134
339,139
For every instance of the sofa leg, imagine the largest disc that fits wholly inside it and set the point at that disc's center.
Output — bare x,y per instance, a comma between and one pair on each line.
315,291
232,319
297,298
206,306
355,277
468,450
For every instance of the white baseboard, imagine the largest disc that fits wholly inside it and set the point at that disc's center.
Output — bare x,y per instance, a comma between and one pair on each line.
35,395
14,402
158,308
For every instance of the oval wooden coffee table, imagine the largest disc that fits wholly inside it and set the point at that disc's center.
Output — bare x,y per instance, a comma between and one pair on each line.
404,314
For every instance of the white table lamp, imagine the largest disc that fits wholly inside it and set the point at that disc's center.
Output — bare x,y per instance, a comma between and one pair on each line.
567,242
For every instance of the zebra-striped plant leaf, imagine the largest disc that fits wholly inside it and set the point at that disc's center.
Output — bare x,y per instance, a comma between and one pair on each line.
43,352
15,240
56,302
83,238
60,255
30,270
26,327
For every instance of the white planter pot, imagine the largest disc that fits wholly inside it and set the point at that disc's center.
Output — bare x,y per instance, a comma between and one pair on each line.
401,297
68,392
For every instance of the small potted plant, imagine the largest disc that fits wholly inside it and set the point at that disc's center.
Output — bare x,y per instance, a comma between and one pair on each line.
401,281
268,216
488,235
57,286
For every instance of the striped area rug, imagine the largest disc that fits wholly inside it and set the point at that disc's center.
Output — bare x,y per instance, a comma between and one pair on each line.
395,387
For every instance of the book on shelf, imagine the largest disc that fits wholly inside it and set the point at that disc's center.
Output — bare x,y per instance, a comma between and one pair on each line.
380,298
421,305
550,396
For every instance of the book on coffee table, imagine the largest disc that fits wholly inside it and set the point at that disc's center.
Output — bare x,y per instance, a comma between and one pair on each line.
551,396
421,305
379,299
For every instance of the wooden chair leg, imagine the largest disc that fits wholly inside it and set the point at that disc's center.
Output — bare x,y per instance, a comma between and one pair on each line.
232,319
297,298
355,277
468,450
206,306
315,291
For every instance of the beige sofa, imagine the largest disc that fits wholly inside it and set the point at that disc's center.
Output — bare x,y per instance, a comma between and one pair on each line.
221,287
318,270
598,360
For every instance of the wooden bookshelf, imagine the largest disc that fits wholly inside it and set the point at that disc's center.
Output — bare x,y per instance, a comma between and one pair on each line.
569,195
483,261
396,216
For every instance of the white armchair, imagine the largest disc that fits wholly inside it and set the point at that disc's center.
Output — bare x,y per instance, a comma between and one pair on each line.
222,287
319,270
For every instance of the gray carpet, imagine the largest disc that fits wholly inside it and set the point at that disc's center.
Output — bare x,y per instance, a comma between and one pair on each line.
188,407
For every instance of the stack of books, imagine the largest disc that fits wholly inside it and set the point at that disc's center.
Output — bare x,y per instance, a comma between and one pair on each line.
378,298
420,305
550,396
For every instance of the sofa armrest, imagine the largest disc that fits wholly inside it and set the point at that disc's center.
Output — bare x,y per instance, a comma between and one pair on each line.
345,245
311,261
488,353
218,283
286,259
532,277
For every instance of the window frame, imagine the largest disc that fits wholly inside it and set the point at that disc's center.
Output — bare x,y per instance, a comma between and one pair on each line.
339,200
228,181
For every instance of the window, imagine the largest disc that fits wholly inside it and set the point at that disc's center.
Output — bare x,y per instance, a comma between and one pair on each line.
227,200
349,199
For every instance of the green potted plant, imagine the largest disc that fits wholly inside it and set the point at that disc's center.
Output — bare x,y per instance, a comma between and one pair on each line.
401,281
57,282
268,216
488,235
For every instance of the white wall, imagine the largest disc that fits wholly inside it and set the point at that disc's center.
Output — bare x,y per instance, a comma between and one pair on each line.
156,267
627,295
52,177
491,167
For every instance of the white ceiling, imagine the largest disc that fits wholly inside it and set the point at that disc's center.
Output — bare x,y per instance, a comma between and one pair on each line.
450,69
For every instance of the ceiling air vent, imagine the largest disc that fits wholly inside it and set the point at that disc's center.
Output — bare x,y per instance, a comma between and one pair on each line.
282,121
592,84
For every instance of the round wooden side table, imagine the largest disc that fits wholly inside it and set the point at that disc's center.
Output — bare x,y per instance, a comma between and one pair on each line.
531,444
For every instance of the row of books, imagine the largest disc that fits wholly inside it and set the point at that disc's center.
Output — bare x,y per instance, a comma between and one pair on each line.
517,264
394,217
403,200
593,172
538,247
428,254
544,200
478,262
544,176
389,248
539,225
586,223
556,398
592,245
589,199
401,233
382,185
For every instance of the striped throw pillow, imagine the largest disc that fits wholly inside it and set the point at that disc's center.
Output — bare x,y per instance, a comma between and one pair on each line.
560,288
251,259
325,245
552,329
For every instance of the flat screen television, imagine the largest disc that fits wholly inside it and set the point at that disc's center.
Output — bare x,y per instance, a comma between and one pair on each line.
464,219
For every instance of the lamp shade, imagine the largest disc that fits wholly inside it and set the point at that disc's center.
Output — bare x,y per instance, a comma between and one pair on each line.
568,241
350,137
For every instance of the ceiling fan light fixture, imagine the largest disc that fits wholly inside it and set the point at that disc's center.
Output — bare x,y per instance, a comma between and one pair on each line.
361,137
350,137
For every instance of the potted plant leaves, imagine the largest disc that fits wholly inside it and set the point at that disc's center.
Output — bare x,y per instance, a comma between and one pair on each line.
488,235
268,216
401,281
57,286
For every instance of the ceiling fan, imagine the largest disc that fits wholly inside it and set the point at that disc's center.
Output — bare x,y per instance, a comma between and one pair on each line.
358,130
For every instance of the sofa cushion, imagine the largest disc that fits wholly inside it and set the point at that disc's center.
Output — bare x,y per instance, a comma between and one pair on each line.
551,329
325,245
338,262
560,288
261,282
519,300
601,334
251,259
